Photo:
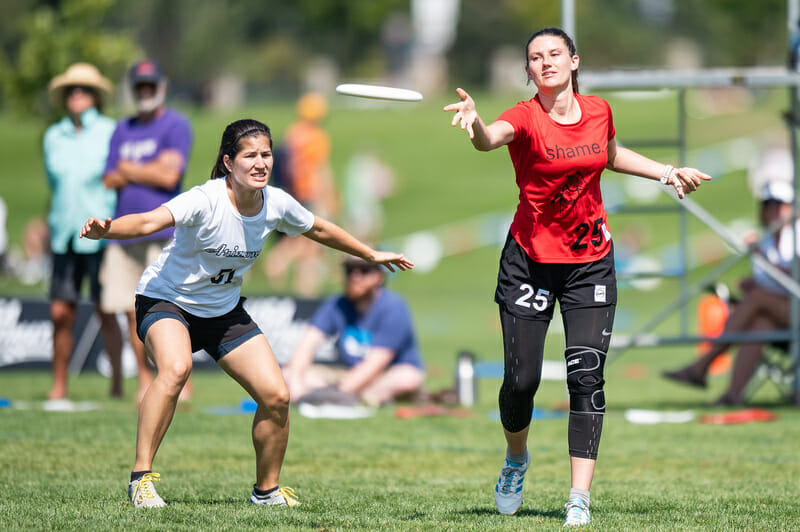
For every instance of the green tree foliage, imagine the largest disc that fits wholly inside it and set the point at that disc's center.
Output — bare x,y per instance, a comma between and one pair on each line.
627,33
263,41
268,43
53,37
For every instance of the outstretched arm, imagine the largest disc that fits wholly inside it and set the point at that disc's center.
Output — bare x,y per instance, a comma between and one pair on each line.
623,160
333,236
483,137
128,226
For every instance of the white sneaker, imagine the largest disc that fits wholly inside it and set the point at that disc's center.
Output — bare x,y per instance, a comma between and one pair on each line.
143,494
508,491
279,497
577,513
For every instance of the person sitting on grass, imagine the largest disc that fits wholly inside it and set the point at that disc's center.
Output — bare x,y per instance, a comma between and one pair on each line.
379,359
189,299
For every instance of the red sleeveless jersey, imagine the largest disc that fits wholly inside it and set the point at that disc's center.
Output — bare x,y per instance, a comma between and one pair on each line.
560,216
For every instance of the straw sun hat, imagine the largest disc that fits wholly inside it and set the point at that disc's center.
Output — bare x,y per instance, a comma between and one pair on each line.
82,74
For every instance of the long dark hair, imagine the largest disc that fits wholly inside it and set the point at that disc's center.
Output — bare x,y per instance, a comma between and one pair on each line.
557,32
229,145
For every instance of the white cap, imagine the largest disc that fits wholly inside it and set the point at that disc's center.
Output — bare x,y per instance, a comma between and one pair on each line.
778,191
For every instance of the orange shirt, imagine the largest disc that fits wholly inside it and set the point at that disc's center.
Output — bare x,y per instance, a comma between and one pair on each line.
309,149
560,216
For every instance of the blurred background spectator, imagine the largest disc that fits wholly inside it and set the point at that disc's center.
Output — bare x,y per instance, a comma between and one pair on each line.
306,174
147,159
379,359
75,151
368,180
764,303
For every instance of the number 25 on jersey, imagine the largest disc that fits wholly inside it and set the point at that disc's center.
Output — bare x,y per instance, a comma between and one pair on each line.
539,299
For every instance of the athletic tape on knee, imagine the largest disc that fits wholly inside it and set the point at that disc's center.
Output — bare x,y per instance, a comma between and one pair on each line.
585,379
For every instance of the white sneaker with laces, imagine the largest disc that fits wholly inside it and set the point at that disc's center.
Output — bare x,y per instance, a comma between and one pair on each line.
279,497
508,490
577,513
143,494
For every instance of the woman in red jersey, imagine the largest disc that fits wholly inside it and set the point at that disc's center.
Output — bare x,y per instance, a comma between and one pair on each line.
558,248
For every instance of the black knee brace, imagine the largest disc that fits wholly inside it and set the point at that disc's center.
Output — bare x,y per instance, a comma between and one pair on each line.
587,403
585,379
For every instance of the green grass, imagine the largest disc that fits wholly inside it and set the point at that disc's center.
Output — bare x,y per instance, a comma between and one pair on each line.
69,470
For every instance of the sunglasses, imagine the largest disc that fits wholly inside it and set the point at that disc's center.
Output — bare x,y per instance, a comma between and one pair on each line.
73,88
361,269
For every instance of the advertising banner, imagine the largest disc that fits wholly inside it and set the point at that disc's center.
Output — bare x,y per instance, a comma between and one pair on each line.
26,334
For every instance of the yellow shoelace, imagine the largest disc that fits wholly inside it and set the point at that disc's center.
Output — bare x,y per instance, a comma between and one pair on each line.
289,496
145,486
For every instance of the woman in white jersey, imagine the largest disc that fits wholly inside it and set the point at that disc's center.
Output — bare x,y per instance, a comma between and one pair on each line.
189,299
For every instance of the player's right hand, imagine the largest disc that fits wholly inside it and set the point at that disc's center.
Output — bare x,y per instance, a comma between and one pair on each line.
465,112
95,228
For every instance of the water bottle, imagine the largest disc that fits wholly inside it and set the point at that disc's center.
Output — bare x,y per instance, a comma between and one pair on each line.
466,384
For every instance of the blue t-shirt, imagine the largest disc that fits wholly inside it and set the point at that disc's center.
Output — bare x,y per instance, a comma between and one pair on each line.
387,324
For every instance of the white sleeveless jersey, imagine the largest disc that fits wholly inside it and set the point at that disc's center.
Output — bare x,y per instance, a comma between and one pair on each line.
201,269
778,254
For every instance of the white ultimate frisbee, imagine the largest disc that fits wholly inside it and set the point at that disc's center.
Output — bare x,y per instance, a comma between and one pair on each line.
379,92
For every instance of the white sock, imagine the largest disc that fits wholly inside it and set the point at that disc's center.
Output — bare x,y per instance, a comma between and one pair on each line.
576,493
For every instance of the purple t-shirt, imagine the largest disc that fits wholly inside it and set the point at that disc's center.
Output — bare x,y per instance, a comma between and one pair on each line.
141,143
387,323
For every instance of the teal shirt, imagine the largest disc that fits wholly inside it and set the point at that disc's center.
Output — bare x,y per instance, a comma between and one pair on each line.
74,162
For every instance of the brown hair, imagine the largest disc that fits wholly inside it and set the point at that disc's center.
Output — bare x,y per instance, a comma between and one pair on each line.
557,32
229,145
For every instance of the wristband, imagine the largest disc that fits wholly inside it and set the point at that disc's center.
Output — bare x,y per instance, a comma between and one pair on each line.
665,174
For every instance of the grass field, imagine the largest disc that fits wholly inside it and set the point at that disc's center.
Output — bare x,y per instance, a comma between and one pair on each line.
69,470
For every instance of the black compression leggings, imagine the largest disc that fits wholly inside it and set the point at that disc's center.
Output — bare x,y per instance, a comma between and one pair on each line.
586,329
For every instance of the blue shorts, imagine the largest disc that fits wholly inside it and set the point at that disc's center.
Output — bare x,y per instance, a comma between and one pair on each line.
218,336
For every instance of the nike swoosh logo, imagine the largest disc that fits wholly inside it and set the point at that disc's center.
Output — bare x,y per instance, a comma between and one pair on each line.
605,332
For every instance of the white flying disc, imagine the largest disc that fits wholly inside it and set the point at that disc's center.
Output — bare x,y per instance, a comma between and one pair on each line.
379,92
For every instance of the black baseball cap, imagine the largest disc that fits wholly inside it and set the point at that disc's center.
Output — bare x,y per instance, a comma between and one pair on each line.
356,263
146,71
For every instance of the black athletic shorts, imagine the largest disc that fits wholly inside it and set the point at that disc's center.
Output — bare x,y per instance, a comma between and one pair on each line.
218,336
529,289
69,270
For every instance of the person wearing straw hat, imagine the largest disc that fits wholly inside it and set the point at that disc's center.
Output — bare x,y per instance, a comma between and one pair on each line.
75,150
146,163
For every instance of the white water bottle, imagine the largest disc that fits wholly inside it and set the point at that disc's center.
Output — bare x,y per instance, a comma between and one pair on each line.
466,388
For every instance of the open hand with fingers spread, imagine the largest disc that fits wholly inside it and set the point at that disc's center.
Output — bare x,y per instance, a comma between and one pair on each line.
95,229
465,112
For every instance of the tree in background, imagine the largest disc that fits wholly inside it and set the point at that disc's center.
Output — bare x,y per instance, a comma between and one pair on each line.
268,44
627,33
50,36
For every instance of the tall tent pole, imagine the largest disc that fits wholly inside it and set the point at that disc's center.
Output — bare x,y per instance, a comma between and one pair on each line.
568,18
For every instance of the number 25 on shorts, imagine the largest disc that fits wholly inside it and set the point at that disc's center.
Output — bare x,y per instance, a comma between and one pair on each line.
539,299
